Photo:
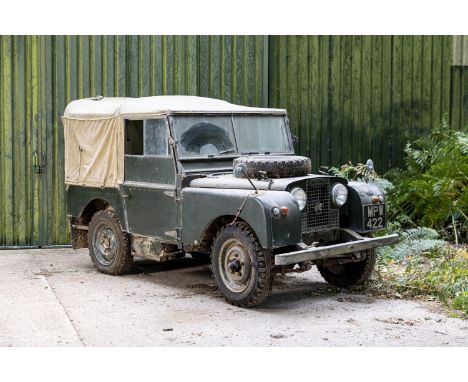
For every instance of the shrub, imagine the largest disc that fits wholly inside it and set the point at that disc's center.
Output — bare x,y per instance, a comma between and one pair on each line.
432,190
422,264
426,200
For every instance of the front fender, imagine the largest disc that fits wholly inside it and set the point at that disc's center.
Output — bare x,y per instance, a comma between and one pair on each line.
360,194
201,206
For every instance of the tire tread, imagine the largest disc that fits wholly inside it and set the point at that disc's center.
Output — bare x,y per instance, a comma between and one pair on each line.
354,274
264,281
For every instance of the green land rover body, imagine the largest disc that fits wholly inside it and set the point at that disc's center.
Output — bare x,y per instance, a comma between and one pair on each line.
162,177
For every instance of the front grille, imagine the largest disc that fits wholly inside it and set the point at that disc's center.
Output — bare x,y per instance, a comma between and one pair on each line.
320,214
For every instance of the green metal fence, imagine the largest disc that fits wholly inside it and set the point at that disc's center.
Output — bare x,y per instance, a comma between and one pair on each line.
39,75
348,97
354,97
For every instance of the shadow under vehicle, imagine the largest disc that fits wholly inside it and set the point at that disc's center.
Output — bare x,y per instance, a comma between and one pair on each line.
159,177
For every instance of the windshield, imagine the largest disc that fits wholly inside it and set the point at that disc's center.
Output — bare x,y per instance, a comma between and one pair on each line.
261,135
208,136
204,136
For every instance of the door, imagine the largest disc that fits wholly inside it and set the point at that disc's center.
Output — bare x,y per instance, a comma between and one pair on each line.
149,188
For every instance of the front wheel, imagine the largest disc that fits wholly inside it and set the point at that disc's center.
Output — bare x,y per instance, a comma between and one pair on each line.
349,274
241,267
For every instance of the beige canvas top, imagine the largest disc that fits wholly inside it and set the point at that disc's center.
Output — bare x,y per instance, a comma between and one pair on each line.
157,105
94,131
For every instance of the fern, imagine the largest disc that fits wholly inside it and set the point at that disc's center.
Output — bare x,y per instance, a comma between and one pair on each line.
433,189
419,233
414,242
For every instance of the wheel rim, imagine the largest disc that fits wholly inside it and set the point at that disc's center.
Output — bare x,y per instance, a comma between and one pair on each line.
104,244
235,265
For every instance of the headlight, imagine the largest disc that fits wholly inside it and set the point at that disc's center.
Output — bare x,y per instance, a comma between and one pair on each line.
301,197
339,194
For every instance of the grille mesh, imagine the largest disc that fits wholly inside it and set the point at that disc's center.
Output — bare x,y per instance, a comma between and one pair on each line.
319,214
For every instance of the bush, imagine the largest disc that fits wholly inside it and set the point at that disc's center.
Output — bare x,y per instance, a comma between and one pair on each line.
461,302
426,200
421,264
432,190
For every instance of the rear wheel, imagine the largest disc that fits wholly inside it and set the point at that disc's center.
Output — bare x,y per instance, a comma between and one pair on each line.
349,274
108,244
241,267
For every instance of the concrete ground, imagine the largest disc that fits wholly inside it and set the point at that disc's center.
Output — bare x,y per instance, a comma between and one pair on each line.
57,298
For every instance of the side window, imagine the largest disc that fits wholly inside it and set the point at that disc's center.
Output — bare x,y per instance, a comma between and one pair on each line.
146,137
133,137
155,137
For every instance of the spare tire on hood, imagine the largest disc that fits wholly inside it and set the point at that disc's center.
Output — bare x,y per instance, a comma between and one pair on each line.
275,166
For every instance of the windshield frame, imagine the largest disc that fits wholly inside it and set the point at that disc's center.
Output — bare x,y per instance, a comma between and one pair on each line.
237,153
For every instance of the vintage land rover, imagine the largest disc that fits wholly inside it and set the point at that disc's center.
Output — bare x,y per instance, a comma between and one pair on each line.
160,177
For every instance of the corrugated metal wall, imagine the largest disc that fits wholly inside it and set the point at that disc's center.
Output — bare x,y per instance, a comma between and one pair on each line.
39,75
459,91
348,97
354,97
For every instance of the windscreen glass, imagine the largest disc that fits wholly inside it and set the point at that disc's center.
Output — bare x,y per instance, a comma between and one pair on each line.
204,136
208,136
261,134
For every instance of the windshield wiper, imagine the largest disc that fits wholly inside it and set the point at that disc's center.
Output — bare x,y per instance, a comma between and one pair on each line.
222,152
256,152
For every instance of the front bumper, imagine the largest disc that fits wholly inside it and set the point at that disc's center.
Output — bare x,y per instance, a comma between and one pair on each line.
359,243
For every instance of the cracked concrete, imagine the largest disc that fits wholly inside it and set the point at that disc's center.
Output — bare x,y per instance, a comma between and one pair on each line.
57,298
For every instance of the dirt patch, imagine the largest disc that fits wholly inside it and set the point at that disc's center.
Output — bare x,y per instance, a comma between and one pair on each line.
277,336
43,272
356,299
202,286
398,321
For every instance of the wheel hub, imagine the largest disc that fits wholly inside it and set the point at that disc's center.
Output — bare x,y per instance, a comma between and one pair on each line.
104,244
235,265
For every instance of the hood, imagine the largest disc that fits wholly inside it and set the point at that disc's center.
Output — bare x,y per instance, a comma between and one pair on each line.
229,181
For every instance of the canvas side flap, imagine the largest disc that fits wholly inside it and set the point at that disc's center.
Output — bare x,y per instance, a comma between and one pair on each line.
94,151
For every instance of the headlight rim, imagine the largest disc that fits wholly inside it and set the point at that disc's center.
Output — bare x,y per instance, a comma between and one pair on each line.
299,201
334,195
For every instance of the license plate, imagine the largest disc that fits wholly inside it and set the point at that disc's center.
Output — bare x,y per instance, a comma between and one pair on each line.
374,217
